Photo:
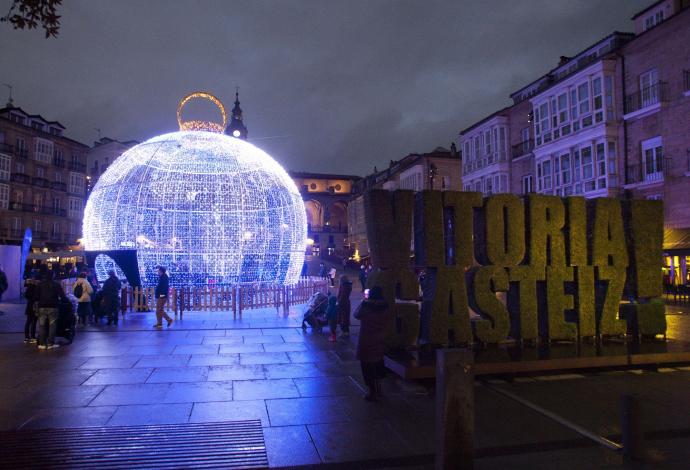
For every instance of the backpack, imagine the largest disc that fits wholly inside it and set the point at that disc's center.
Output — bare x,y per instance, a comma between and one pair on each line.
78,290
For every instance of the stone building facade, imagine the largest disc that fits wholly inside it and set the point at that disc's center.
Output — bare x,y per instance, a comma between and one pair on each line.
326,198
102,154
439,169
42,181
613,120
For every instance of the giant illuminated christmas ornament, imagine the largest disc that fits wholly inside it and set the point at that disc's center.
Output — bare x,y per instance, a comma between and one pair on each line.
211,208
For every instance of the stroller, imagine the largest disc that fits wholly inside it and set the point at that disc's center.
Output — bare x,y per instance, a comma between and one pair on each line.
67,321
315,314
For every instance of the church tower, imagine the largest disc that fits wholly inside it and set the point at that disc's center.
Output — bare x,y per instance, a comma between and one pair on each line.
236,127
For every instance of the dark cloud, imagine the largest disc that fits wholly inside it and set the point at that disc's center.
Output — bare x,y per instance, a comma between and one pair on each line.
332,86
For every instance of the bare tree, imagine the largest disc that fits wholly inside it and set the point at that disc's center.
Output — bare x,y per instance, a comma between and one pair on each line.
29,14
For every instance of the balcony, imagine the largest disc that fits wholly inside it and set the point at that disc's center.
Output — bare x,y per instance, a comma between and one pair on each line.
523,148
20,178
76,166
59,162
21,207
58,186
327,228
645,101
651,171
40,182
6,148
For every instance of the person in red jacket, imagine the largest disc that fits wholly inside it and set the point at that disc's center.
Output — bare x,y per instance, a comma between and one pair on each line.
373,313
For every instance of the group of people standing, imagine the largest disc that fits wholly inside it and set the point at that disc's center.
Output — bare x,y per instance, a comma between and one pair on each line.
45,296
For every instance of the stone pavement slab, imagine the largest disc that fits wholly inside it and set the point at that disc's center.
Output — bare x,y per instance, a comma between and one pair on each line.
307,392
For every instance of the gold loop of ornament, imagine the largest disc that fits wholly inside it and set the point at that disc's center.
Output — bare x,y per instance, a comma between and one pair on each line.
201,125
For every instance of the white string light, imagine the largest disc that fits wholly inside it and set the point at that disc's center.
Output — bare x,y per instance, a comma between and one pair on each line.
209,207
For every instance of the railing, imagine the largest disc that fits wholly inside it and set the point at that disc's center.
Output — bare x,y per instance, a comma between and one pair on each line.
233,299
20,178
648,96
76,166
59,186
40,182
39,235
20,206
523,148
648,172
6,148
327,228
59,162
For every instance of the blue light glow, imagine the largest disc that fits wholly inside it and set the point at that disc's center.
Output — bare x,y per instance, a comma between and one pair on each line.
209,207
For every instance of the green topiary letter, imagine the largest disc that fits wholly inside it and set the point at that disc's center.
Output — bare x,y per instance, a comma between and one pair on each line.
495,325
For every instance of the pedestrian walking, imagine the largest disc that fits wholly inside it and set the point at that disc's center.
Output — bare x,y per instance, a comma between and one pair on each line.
31,294
344,291
110,296
363,276
50,294
331,275
3,286
161,298
373,315
332,316
82,290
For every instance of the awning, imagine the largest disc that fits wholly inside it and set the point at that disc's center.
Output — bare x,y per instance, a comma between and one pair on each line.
677,239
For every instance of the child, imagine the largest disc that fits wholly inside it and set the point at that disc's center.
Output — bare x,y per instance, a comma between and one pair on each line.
373,314
332,316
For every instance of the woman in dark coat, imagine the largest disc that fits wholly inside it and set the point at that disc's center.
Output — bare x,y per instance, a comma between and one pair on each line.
373,315
344,291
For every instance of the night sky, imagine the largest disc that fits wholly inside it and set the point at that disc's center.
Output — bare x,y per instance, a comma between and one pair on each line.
326,86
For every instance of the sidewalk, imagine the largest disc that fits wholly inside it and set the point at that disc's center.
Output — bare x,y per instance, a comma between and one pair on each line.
308,394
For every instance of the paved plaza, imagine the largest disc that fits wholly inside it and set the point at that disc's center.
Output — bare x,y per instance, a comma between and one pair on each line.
307,393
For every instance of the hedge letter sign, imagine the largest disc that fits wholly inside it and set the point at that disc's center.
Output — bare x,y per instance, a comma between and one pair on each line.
538,267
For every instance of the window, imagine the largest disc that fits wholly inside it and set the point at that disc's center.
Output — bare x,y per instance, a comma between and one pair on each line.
565,168
56,229
544,176
613,180
76,183
544,116
587,164
583,98
38,225
601,166
653,159
445,182
72,231
563,108
608,90
20,144
488,186
653,19
5,165
58,154
58,177
56,204
21,168
598,100
4,196
654,197
44,150
573,104
649,92
487,142
74,207
18,197
38,202
40,172
527,184
36,125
